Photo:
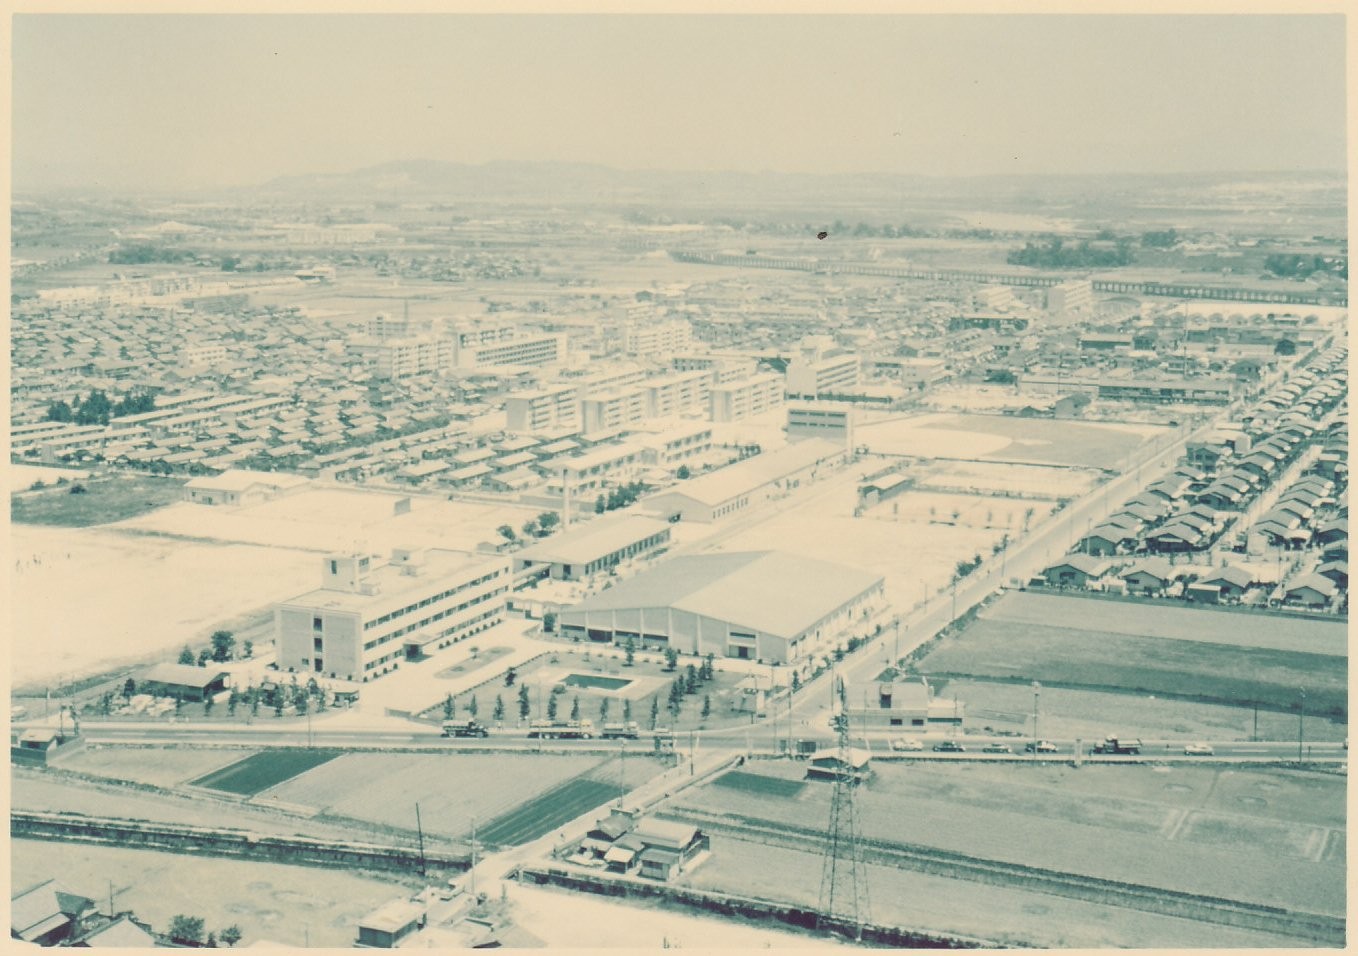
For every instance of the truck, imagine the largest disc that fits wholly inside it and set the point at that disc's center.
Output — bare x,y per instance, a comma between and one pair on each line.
1118,745
561,729
630,731
464,728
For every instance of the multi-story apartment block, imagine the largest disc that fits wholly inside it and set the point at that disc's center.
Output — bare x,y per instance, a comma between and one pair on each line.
383,326
724,368
748,397
202,355
544,409
596,469
537,349
1077,295
656,338
683,393
604,410
811,375
403,358
365,619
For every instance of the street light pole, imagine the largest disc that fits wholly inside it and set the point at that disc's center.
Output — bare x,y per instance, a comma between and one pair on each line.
1037,691
1301,725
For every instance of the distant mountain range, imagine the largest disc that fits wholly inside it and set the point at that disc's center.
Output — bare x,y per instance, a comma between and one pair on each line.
433,180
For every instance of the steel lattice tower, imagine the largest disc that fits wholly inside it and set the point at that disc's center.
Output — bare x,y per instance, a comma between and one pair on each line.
843,880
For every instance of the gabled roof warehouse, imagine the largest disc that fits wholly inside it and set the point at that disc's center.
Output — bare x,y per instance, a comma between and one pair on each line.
759,604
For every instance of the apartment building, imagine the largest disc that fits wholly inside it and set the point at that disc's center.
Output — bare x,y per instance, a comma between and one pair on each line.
725,369
534,349
682,393
366,618
616,409
1077,295
544,409
204,355
642,338
748,397
811,375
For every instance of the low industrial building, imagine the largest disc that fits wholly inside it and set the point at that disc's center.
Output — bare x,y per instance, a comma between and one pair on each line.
590,548
184,681
886,705
366,618
747,483
238,486
386,926
760,605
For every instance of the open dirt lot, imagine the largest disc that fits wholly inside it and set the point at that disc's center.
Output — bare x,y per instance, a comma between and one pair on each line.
158,766
1086,444
89,599
323,518
291,905
1164,827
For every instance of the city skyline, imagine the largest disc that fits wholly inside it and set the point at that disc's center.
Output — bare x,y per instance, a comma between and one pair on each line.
240,100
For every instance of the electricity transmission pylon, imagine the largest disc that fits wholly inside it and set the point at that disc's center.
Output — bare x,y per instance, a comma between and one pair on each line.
843,880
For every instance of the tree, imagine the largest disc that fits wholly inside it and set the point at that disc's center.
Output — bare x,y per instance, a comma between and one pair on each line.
549,622
524,706
186,929
655,710
626,710
211,941
709,667
603,709
449,707
1028,517
248,649
232,702
676,700
575,708
204,656
231,935
498,713
207,706
473,706
1285,347
530,528
129,688
59,411
600,505
506,532
551,706
691,680
671,658
707,705
186,655
683,474
510,675
223,645
796,682
630,648
548,521
254,706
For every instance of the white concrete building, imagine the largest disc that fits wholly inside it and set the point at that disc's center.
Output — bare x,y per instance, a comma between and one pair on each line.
747,397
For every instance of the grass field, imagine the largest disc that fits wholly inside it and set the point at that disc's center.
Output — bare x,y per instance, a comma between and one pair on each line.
1086,444
260,771
547,811
1262,836
452,788
105,499
761,784
1094,658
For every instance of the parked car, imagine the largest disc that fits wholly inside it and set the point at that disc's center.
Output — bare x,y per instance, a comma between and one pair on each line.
907,743
1040,747
949,747
996,749
1199,750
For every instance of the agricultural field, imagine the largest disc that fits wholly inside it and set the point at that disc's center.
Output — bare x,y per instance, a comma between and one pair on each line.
157,766
1004,915
1263,836
116,575
1220,657
546,812
289,905
451,789
103,500
261,771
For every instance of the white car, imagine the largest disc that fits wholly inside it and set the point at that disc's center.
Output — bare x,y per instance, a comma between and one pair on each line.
907,743
1198,750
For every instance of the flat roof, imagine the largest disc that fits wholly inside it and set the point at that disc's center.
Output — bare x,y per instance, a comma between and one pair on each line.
594,539
769,591
392,582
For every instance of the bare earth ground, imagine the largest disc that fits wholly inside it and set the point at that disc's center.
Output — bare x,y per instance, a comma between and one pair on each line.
82,595
1265,836
159,766
291,905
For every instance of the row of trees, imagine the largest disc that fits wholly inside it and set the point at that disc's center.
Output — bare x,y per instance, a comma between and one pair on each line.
1299,266
222,647
96,409
622,496
539,527
1055,254
188,931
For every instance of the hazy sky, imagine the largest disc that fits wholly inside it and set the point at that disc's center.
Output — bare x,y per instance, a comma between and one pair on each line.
224,100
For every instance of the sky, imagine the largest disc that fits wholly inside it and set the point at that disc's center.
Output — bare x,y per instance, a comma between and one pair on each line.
205,100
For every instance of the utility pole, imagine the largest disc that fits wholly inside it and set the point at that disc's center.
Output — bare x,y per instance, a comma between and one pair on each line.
472,886
1301,725
419,829
1037,690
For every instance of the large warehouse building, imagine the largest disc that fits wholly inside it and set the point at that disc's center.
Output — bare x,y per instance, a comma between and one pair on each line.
748,483
759,605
